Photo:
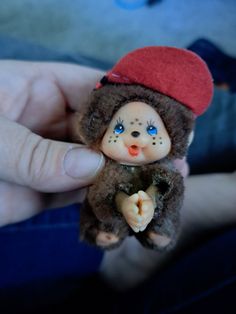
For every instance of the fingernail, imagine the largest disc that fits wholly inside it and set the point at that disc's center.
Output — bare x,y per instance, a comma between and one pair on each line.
82,163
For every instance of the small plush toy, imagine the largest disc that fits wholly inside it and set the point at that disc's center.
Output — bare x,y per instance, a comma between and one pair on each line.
141,116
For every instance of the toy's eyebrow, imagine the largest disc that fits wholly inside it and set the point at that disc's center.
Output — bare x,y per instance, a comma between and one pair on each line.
150,122
119,121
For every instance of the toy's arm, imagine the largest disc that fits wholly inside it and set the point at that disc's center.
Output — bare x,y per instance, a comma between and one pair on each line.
121,197
152,191
101,201
102,193
166,220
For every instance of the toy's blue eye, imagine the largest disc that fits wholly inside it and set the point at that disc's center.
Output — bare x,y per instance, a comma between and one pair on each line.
119,128
151,130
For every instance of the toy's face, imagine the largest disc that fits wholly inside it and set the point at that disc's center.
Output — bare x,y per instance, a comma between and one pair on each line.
136,135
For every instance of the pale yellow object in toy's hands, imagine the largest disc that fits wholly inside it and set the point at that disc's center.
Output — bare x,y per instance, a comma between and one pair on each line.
138,209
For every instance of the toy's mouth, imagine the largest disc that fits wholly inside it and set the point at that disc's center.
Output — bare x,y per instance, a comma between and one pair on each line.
133,150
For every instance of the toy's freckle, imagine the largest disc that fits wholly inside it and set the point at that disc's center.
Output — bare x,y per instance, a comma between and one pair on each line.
154,143
114,141
132,122
136,119
153,138
160,137
140,123
109,141
160,142
117,136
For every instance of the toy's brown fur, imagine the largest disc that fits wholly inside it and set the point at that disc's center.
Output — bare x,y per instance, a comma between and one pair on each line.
99,210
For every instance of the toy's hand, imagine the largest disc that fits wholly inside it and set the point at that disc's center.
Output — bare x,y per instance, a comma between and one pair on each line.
138,210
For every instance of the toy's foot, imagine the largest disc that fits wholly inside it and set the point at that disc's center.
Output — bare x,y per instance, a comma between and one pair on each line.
105,239
159,240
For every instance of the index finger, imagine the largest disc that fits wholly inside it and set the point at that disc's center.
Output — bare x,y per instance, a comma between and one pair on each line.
76,82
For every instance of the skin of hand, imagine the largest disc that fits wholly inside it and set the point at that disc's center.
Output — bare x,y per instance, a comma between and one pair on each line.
40,166
138,210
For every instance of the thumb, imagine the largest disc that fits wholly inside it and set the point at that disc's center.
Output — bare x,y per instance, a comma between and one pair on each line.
44,165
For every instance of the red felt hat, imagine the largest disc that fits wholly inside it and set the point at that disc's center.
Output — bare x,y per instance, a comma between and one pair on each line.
177,73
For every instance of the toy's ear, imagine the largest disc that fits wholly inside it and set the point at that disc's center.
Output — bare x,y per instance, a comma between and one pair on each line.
179,122
93,122
91,127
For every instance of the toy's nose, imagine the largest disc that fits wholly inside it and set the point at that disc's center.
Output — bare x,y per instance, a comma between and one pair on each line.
135,133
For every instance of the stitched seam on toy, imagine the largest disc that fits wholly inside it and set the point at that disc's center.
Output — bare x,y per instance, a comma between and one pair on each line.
120,76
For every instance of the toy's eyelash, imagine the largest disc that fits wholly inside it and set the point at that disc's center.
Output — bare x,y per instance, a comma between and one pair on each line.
119,121
150,122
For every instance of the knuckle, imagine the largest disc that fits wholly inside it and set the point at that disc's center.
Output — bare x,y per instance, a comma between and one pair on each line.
14,91
32,165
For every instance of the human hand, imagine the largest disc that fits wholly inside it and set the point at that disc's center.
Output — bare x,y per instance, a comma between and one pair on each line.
138,210
38,168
